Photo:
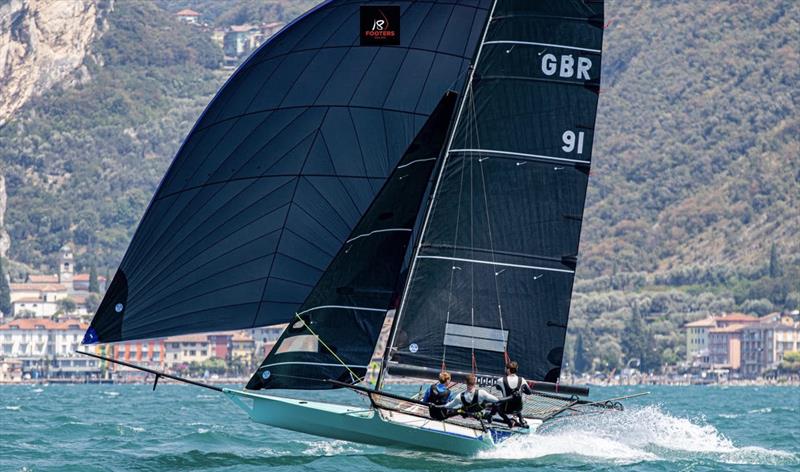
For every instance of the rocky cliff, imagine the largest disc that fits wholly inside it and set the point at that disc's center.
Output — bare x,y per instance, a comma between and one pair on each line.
41,43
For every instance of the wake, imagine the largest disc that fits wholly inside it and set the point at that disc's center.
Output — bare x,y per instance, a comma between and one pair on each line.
636,435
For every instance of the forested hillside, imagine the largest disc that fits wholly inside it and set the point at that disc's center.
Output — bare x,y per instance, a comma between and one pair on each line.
694,195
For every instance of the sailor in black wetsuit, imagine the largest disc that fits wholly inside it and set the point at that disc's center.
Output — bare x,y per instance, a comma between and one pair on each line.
438,395
512,387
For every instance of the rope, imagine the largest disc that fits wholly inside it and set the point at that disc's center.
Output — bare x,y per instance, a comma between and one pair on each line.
506,359
353,374
455,244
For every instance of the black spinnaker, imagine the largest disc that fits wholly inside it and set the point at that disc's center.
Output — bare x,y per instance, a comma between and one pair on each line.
334,333
297,143
492,276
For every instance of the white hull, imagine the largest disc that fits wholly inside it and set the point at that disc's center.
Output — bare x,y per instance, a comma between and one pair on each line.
366,425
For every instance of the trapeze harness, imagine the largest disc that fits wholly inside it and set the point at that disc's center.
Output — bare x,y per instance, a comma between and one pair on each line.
472,407
514,403
436,399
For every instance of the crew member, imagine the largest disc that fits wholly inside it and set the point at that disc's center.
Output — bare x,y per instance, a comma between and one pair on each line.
512,387
472,402
438,395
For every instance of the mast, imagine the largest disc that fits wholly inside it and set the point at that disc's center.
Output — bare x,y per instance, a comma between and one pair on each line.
464,97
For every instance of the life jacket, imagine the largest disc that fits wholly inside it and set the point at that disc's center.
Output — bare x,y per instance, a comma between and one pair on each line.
471,406
436,397
513,404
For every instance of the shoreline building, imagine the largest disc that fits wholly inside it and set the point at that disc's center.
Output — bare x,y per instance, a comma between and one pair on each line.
741,344
45,348
697,353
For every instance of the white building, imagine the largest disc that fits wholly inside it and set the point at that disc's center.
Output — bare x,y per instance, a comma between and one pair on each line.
41,295
31,337
188,16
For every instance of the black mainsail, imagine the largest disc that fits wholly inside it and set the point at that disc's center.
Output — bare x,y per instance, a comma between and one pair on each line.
493,271
297,143
334,333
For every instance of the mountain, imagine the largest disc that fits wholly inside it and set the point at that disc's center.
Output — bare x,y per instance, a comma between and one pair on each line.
693,200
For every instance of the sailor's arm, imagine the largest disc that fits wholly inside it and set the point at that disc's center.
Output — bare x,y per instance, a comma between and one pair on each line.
453,404
526,389
486,397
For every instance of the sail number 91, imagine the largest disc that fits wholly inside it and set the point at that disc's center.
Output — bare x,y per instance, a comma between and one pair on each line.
571,144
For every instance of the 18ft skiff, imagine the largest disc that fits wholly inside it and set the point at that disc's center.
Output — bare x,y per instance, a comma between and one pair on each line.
424,158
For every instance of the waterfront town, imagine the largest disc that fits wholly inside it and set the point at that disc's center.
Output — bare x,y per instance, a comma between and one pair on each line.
50,314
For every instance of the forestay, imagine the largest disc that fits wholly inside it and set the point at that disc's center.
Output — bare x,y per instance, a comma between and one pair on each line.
492,276
280,167
334,334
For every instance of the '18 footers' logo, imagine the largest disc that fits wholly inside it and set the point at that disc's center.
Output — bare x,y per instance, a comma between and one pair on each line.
380,25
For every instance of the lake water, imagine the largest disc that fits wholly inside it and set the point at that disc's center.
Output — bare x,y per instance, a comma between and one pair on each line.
129,427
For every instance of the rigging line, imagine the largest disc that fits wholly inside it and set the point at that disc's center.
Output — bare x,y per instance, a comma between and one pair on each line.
426,220
455,245
343,307
415,161
491,238
353,374
471,111
387,230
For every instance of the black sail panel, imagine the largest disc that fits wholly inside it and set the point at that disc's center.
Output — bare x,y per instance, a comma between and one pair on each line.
297,143
334,333
492,277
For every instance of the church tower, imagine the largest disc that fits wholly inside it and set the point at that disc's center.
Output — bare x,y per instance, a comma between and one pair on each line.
66,266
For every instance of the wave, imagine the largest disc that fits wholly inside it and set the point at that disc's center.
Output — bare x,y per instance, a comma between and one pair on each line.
636,435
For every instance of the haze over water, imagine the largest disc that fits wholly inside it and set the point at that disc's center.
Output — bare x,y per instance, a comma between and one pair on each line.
129,427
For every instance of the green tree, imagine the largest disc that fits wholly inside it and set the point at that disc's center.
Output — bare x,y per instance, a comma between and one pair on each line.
5,290
583,361
66,306
774,262
637,342
94,286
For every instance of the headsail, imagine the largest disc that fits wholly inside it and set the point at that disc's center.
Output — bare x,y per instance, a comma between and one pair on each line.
297,143
334,333
492,276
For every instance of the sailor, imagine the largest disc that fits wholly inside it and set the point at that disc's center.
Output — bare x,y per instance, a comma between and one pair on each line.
472,402
437,395
512,387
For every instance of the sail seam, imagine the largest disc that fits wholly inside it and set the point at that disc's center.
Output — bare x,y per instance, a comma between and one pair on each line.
505,264
531,43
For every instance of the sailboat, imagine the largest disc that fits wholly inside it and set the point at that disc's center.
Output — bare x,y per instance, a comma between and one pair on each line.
419,161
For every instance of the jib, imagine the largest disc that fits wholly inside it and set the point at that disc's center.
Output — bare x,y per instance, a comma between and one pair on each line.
566,66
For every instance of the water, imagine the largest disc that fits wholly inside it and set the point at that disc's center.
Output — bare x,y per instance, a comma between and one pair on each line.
129,427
